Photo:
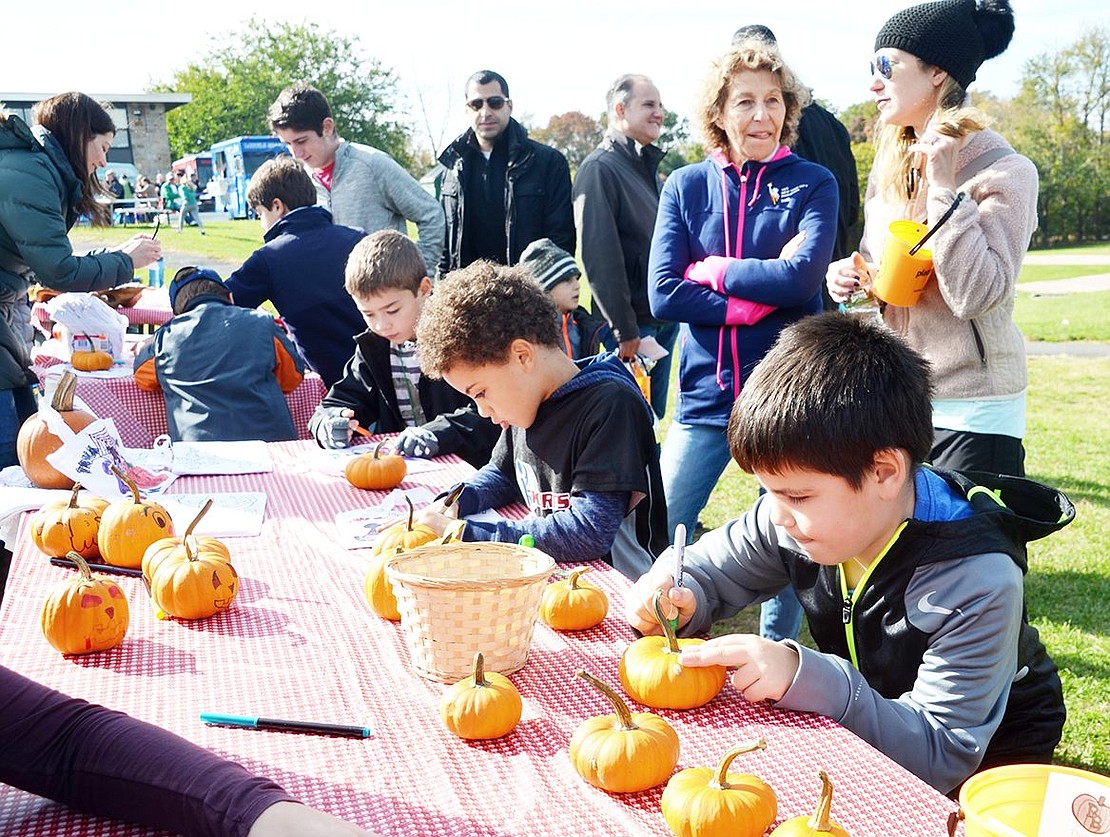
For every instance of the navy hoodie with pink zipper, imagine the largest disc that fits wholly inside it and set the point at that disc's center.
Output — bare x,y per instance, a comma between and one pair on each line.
715,267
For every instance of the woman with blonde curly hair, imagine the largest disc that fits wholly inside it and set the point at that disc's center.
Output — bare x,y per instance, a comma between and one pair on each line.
934,156
742,241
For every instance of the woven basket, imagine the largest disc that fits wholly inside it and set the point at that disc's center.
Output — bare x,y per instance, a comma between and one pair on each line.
456,599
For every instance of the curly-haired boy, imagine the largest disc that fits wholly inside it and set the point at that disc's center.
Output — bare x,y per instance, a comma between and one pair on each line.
577,445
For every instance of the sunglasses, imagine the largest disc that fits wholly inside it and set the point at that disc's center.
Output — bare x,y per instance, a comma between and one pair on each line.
494,102
883,66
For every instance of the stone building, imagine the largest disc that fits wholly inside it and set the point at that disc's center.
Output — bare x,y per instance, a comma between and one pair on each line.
140,117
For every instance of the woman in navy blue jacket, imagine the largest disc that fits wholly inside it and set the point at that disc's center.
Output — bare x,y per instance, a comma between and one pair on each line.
741,245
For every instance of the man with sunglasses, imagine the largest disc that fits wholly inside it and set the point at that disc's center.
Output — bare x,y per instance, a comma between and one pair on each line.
501,190
362,186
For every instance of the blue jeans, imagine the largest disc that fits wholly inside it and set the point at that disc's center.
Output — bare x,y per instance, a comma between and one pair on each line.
781,617
693,458
9,428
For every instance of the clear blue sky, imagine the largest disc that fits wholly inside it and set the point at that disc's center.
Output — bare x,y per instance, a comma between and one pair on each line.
556,56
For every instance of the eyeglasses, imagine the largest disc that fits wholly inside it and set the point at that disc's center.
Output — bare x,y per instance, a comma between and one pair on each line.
494,102
882,64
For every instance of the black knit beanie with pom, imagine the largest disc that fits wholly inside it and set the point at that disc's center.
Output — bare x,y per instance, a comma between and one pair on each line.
955,35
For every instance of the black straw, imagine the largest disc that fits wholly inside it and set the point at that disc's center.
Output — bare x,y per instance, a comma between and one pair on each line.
947,214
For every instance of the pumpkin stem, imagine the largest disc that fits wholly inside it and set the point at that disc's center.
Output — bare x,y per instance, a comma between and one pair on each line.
820,819
407,500
664,622
82,565
572,579
130,483
73,496
480,670
721,779
189,531
624,716
62,401
378,448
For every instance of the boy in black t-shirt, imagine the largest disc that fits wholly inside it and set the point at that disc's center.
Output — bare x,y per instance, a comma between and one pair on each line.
576,446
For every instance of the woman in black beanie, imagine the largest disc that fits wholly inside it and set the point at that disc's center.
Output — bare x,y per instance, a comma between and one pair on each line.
932,147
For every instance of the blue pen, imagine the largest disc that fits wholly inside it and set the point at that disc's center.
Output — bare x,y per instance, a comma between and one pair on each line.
679,555
214,718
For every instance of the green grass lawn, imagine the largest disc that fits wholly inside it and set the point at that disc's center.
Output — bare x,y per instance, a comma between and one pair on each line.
1080,316
1049,272
1088,249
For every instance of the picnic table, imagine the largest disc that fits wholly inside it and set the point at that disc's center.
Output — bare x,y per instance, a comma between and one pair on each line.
301,643
140,415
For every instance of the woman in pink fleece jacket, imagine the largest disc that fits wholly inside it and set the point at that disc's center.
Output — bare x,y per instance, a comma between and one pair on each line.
933,154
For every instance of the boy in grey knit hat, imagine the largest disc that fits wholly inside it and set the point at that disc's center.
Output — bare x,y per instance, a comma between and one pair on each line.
558,274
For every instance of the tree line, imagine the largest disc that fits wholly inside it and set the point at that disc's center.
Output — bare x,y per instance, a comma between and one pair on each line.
1058,119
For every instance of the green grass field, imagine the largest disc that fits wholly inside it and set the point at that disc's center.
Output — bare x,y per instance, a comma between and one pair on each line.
1068,586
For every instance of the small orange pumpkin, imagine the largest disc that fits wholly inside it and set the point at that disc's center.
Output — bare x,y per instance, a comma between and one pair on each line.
190,577
651,674
703,802
624,752
129,526
35,441
65,525
400,537
85,614
570,605
819,825
375,472
482,706
91,360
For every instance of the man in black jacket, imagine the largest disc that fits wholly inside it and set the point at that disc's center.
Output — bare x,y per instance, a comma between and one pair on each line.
501,191
616,197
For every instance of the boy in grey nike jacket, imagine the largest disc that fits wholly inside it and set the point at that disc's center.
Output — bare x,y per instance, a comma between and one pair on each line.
911,578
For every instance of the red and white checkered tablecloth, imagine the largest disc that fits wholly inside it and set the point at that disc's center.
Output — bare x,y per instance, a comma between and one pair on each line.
301,643
152,308
140,415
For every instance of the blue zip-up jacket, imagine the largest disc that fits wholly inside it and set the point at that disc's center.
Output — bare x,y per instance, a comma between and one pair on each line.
747,214
300,270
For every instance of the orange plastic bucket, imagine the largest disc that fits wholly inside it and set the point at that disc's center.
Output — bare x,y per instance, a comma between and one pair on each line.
901,277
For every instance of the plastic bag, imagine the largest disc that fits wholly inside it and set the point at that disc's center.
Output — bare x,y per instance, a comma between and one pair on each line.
88,323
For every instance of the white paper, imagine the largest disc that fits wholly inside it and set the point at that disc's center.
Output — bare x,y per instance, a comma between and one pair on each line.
650,348
87,457
334,460
358,528
251,457
1072,807
233,513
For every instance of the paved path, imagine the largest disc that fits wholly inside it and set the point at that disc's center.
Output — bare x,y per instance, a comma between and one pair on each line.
1063,287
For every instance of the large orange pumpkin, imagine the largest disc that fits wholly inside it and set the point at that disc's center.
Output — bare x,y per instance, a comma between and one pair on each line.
129,526
190,577
375,472
650,671
481,706
703,802
69,525
85,614
35,441
624,752
570,605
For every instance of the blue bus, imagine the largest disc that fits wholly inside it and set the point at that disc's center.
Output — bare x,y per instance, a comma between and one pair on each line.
233,163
